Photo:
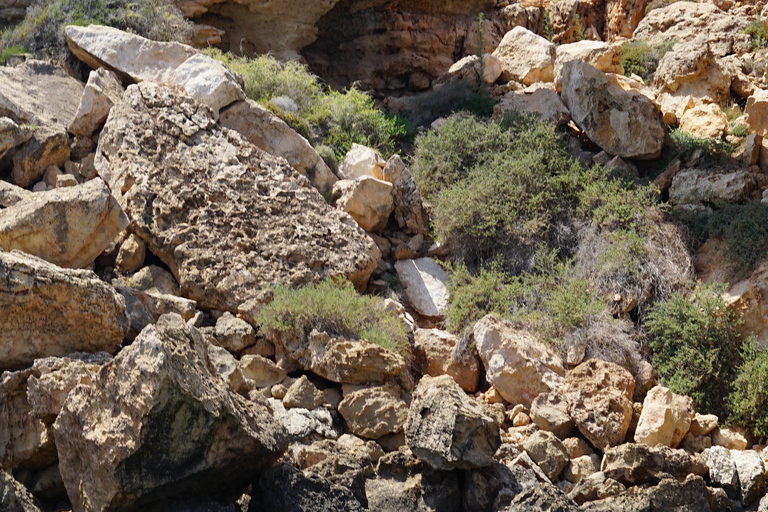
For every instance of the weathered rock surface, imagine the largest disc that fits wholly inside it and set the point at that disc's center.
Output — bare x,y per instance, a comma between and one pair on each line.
265,130
132,57
408,209
517,365
730,438
156,424
130,256
543,103
12,135
367,200
14,497
548,452
599,396
210,82
601,55
696,186
705,121
302,424
449,430
549,411
223,215
526,57
637,463
623,123
690,494
373,412
51,309
361,161
38,96
751,471
722,470
434,353
303,394
426,285
756,113
703,424
582,467
101,92
691,70
255,371
665,419
234,334
68,227
545,497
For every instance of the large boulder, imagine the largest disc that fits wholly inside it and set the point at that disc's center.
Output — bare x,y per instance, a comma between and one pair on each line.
265,130
751,471
634,464
690,69
101,92
49,311
426,285
449,430
435,354
373,412
518,365
705,121
156,424
132,57
722,469
756,113
38,96
12,135
367,200
542,103
227,218
623,123
599,396
685,494
210,82
548,452
605,57
525,57
68,227
361,161
696,186
665,418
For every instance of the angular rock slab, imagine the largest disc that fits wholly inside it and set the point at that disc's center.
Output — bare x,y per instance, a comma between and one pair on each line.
227,218
133,58
68,227
623,123
101,92
50,311
665,419
14,497
426,285
449,430
210,82
157,424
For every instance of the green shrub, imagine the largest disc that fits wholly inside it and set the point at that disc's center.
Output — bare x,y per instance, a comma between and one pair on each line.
696,347
642,58
658,4
42,29
759,34
739,130
335,307
9,52
748,402
686,144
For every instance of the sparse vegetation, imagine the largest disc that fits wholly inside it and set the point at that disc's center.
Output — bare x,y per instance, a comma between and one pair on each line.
335,307
642,58
685,145
759,34
659,4
9,52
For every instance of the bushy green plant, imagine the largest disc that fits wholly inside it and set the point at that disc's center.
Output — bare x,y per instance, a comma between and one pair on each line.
642,58
685,144
43,27
9,52
759,34
696,347
335,307
748,402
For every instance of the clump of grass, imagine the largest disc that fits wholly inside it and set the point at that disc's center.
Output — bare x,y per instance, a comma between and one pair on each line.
642,58
759,34
9,52
686,144
335,307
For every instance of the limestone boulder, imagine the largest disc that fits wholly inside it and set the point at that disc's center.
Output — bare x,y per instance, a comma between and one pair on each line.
101,92
689,493
722,469
543,497
542,103
234,334
525,57
367,200
14,497
132,57
730,438
265,130
285,232
696,186
690,69
68,227
12,135
748,298
519,366
705,121
449,430
255,371
435,353
373,412
756,113
467,70
548,452
117,447
38,97
303,424
11,194
549,412
130,256
361,161
408,208
603,56
302,393
703,424
582,467
634,464
426,285
50,308
751,471
209,81
665,419
599,396
623,123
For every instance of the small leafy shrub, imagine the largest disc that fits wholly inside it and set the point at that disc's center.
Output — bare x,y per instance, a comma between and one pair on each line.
642,58
748,402
685,145
759,34
739,130
335,307
9,52
696,347
42,29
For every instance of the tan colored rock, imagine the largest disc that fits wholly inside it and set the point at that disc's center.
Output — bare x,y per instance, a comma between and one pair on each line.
39,97
219,434
374,412
233,333
14,497
435,354
11,194
601,55
367,200
467,70
580,468
304,394
752,147
130,257
548,452
690,69
50,308
525,57
68,227
756,113
703,424
101,92
449,430
256,372
521,420
12,135
426,285
695,186
729,438
674,107
66,180
518,365
154,279
265,130
209,81
543,103
623,123
132,57
706,121
599,396
665,419
550,412
291,235
409,211
577,447
361,161
634,464
748,299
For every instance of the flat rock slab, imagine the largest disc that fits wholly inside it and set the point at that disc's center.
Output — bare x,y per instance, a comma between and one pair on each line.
227,218
51,311
426,285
